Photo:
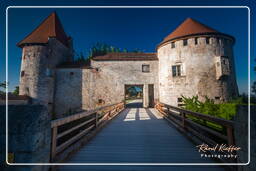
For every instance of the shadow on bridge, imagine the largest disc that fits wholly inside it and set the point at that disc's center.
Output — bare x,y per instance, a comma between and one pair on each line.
138,135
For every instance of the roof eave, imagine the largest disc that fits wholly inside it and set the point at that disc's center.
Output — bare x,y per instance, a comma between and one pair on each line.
194,35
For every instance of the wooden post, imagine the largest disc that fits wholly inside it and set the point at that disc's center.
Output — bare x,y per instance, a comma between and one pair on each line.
54,142
230,135
183,119
96,119
168,110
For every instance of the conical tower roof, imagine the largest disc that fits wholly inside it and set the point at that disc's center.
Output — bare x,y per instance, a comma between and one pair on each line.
50,27
189,27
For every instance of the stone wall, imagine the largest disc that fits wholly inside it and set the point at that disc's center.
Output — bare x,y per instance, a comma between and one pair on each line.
29,136
37,70
68,91
198,70
241,137
108,79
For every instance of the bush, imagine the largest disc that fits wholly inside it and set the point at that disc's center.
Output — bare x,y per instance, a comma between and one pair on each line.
223,110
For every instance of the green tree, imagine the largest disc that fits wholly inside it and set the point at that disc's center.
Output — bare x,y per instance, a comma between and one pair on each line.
16,91
3,85
80,57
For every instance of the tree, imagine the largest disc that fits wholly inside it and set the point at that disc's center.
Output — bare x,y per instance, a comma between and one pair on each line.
16,91
80,58
3,84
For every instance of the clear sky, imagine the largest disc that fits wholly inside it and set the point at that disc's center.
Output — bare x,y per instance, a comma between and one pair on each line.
127,28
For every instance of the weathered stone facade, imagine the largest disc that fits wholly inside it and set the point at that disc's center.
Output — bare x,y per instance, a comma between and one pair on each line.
107,81
193,60
37,75
68,92
80,88
199,66
29,136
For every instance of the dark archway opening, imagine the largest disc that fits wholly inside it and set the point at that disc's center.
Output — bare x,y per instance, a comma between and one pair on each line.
134,96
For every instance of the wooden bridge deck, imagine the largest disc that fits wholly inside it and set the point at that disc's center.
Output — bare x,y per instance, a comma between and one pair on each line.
138,135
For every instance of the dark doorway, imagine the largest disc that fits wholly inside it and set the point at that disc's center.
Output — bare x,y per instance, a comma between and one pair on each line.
133,96
151,102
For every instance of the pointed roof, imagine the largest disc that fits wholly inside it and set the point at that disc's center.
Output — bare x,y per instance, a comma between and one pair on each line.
50,27
189,27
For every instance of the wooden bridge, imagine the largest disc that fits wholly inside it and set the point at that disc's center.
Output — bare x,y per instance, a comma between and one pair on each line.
158,135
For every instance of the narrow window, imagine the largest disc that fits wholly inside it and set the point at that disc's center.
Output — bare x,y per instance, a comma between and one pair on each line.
217,98
22,73
196,41
179,99
176,70
185,42
218,40
145,68
207,40
71,73
173,44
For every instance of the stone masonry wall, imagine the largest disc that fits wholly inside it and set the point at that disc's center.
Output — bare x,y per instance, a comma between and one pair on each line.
108,79
37,70
29,136
241,137
68,91
198,72
78,88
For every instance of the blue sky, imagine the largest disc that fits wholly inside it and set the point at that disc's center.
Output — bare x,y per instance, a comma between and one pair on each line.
126,28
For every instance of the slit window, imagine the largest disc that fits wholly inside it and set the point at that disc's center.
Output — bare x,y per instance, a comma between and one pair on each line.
196,41
176,71
22,73
185,42
145,68
207,40
173,45
217,98
218,40
179,99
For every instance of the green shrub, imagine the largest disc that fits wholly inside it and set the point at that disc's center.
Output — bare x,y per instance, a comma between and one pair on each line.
223,110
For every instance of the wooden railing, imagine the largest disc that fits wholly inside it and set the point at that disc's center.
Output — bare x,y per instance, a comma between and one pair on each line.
181,117
68,130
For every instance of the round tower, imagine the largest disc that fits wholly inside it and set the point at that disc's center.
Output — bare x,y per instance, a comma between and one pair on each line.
42,50
196,60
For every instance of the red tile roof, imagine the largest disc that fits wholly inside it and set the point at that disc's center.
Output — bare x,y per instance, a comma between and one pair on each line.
50,27
189,27
127,57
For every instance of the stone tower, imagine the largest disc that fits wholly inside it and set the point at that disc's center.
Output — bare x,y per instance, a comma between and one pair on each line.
42,50
196,60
